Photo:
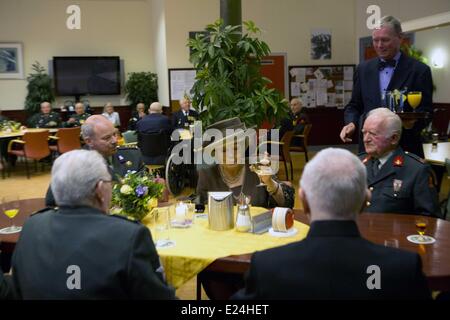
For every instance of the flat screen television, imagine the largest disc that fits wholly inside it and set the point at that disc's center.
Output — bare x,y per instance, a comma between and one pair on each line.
76,76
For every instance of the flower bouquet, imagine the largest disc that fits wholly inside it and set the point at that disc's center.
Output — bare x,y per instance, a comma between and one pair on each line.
136,195
10,126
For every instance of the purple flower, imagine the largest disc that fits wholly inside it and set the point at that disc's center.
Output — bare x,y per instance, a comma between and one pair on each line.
141,191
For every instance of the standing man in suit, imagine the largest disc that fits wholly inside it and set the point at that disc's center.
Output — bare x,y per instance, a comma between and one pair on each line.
400,181
185,116
333,261
79,251
391,70
155,121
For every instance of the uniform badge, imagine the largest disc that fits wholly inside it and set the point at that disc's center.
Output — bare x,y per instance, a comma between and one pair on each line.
81,121
128,163
121,158
367,158
398,161
397,185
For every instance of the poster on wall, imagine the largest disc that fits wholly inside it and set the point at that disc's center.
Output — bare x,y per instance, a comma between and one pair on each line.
320,44
11,61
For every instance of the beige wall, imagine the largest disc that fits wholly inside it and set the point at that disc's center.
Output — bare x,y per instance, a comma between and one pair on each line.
430,41
119,28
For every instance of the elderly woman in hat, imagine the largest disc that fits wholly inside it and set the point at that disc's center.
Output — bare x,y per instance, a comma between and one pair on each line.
231,171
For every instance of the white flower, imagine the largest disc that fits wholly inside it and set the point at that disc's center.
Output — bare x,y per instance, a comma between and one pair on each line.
126,189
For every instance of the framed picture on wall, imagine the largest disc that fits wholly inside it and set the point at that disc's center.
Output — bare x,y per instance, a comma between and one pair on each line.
11,60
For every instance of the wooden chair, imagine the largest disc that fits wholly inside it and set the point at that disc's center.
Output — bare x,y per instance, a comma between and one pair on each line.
303,147
67,139
33,145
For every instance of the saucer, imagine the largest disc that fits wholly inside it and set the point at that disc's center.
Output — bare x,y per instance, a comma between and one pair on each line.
415,238
9,231
291,232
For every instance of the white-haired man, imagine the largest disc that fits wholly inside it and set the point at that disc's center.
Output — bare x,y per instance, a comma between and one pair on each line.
77,119
79,251
332,262
391,70
185,116
46,118
400,181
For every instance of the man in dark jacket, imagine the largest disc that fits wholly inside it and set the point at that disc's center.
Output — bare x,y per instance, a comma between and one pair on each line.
391,70
79,251
155,121
400,181
334,261
185,116
99,135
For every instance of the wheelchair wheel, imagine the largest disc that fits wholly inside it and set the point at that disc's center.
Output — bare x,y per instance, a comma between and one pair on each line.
175,174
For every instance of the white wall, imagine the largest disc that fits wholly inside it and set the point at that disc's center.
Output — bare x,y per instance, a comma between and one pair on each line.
120,28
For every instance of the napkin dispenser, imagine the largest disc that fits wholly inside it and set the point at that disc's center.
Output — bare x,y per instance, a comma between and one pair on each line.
220,211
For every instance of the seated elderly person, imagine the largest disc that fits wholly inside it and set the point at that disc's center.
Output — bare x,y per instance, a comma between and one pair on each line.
296,119
111,115
400,181
79,251
137,115
46,118
229,174
77,119
333,261
99,134
185,116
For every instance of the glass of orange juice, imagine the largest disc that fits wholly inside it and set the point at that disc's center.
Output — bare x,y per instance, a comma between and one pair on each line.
10,207
414,99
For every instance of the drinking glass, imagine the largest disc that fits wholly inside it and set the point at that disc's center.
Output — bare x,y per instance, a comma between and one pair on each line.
414,99
421,226
10,207
262,168
162,228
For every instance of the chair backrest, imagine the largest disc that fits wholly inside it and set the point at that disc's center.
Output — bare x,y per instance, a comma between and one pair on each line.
69,139
130,136
441,117
36,144
306,132
286,139
154,144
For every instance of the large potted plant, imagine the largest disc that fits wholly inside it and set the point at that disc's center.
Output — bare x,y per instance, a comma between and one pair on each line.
142,87
228,81
39,89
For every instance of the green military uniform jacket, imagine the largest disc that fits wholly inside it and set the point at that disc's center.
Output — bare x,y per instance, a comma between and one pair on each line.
39,120
404,184
79,120
82,253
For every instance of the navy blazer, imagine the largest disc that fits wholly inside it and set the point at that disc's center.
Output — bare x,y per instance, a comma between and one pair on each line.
153,123
409,73
179,119
332,263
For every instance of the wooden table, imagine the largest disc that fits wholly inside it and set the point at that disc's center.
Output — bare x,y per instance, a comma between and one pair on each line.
374,227
21,133
436,155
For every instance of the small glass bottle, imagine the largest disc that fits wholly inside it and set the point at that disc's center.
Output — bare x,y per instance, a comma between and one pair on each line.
243,219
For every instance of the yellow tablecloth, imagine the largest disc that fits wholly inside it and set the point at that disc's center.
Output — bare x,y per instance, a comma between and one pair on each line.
198,246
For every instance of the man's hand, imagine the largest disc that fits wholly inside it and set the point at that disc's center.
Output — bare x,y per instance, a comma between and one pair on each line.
347,131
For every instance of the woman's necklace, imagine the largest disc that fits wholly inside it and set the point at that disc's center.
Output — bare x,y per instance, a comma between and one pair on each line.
231,180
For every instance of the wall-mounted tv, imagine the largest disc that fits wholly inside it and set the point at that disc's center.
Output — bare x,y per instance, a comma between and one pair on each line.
76,76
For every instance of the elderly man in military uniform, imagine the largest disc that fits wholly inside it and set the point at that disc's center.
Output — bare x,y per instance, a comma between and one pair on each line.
99,134
400,182
46,118
296,121
79,251
77,119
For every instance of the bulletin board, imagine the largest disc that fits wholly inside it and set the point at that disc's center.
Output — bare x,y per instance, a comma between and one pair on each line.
322,85
181,81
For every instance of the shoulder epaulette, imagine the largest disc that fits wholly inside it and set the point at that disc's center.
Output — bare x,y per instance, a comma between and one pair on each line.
43,210
123,217
415,157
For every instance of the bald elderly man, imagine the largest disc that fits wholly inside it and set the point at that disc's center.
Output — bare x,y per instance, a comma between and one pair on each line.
99,134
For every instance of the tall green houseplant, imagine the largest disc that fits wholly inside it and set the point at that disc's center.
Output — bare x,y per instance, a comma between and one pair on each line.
39,89
142,87
228,82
